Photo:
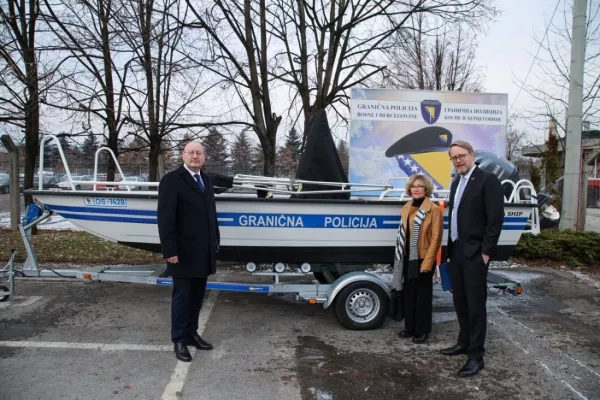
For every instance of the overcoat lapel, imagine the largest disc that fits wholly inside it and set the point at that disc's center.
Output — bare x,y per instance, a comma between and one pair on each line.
470,183
187,178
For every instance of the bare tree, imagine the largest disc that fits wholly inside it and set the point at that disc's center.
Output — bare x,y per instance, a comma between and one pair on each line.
19,77
344,152
85,31
515,140
550,86
168,84
433,58
332,46
236,53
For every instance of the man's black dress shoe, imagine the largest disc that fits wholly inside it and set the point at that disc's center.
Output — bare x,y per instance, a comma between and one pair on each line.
406,334
454,350
199,343
471,367
420,338
182,353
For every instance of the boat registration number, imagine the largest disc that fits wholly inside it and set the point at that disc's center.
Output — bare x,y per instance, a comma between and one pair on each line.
104,202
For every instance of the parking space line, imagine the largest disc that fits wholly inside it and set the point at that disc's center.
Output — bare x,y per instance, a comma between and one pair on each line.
541,337
175,385
552,374
84,346
502,328
30,300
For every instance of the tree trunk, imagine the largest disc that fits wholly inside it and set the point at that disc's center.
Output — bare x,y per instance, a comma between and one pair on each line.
161,166
153,158
152,107
32,142
32,115
308,116
111,125
269,154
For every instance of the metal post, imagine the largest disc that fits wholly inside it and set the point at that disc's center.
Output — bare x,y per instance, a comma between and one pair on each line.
572,182
15,201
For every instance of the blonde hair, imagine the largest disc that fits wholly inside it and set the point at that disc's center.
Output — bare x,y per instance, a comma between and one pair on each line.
463,145
423,178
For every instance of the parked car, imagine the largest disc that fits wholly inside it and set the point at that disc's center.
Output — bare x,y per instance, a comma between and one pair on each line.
124,186
65,185
4,185
48,182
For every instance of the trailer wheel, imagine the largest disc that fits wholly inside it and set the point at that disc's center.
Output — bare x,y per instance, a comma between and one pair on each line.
361,305
5,297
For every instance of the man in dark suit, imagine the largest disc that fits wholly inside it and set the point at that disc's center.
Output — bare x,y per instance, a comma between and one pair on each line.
189,236
476,212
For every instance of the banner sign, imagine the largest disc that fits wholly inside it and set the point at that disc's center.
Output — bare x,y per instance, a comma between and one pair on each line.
397,133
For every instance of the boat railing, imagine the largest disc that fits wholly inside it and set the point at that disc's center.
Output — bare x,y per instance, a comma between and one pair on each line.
95,182
47,138
293,186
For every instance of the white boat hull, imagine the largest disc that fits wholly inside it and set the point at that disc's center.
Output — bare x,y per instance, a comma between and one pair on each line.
266,230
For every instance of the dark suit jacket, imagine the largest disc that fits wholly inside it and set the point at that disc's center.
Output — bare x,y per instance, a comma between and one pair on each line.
480,214
187,224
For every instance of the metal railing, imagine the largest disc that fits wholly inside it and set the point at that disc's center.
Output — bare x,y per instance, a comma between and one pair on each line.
94,182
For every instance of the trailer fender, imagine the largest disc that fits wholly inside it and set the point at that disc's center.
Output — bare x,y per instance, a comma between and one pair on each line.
349,278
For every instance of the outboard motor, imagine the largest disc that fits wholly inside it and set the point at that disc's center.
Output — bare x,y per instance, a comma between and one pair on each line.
549,215
500,167
505,170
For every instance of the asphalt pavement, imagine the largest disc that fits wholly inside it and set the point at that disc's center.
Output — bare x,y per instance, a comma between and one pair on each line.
74,340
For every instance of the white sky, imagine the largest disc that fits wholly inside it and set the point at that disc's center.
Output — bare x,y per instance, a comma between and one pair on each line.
508,50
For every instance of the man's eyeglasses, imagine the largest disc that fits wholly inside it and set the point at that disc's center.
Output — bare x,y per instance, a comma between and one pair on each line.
460,157
195,153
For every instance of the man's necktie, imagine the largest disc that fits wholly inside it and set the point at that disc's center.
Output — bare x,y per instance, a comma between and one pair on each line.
454,222
199,182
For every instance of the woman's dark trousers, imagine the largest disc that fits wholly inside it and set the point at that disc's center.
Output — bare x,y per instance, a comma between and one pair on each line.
418,301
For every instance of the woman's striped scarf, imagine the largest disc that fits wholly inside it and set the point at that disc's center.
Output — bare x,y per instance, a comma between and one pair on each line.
400,249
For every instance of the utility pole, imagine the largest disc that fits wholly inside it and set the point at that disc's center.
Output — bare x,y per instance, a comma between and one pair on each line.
572,182
15,200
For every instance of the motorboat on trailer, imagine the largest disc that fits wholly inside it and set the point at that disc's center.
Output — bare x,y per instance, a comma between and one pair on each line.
330,228
285,224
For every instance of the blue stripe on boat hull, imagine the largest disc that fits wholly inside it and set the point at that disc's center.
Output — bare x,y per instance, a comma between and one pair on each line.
262,220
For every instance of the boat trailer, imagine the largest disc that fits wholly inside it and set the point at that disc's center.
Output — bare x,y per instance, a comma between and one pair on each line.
360,299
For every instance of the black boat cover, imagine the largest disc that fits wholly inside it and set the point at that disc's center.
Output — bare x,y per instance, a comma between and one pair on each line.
320,161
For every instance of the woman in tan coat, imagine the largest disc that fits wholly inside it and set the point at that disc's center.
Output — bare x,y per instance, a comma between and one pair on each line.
418,242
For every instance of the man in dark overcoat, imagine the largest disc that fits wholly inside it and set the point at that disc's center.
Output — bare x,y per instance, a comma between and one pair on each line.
189,237
476,214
